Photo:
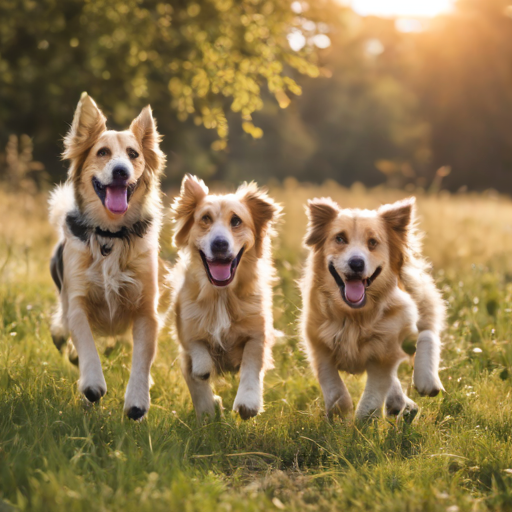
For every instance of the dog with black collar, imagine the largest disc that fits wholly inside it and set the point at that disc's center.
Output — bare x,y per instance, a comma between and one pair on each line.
108,215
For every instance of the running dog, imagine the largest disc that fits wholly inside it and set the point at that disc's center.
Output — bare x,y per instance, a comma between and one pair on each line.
108,215
365,289
222,290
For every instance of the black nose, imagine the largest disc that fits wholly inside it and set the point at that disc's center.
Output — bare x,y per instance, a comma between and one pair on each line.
120,172
220,246
356,264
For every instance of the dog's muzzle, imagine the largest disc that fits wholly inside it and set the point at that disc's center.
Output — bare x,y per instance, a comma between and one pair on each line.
221,272
115,196
353,290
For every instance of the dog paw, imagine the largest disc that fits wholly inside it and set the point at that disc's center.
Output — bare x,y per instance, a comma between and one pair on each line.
136,413
59,342
136,400
93,387
403,405
368,415
202,368
247,413
248,404
93,394
342,407
426,383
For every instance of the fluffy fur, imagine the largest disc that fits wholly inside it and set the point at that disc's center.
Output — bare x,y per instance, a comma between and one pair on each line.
365,289
106,263
229,325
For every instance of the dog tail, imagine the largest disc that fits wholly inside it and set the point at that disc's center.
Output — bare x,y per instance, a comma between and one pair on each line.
61,202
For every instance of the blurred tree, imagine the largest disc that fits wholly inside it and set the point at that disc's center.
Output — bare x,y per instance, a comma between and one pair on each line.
377,105
201,58
356,122
463,76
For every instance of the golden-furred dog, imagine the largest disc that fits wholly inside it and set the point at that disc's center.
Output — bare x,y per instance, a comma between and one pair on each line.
222,290
365,289
108,215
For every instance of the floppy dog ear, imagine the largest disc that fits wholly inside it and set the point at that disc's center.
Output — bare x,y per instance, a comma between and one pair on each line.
193,191
88,124
399,220
321,212
144,128
264,211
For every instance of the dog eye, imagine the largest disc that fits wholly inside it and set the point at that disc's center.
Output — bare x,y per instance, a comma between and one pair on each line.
341,239
235,221
372,244
103,152
206,219
132,153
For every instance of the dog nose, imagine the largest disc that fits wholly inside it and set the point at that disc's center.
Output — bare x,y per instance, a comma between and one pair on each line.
120,172
220,246
356,264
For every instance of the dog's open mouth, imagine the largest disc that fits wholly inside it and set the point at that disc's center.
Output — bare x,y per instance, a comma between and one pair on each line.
353,290
116,195
221,272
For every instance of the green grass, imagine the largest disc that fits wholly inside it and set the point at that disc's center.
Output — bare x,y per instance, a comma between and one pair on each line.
56,453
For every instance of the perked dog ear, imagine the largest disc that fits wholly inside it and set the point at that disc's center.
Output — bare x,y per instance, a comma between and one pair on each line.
144,128
264,211
399,219
88,124
321,212
193,191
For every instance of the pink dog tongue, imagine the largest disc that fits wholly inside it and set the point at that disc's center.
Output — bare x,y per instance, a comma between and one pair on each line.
117,199
220,271
354,291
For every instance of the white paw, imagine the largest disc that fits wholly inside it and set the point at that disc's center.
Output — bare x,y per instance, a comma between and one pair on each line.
342,406
368,412
426,381
136,400
248,403
92,385
202,367
400,403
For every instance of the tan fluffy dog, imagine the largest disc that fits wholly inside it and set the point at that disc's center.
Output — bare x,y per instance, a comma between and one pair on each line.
108,215
222,290
365,289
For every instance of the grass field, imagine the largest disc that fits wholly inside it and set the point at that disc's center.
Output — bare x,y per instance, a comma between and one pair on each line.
56,453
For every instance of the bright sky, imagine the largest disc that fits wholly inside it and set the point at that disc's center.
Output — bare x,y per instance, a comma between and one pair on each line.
392,8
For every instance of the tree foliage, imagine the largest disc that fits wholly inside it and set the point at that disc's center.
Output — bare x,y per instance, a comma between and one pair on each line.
199,58
378,105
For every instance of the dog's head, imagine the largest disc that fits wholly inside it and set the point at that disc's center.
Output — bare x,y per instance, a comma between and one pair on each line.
360,251
220,229
109,168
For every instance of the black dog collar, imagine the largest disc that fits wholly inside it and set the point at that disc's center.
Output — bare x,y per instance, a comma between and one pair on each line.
83,231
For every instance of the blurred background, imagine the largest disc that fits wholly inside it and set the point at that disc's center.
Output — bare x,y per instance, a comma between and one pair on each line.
411,94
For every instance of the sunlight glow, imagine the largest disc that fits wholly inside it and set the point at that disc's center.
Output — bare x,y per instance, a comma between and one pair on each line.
407,8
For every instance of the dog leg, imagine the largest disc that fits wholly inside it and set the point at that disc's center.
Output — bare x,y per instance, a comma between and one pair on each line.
137,399
426,364
378,383
200,390
57,330
92,382
249,398
336,396
201,360
398,402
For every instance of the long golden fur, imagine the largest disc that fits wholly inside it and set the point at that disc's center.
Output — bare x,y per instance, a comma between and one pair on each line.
365,289
224,325
108,215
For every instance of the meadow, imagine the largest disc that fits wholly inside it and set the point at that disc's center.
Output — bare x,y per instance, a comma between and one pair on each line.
58,453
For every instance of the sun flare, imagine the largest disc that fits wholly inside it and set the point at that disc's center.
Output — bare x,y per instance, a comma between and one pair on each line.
393,8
